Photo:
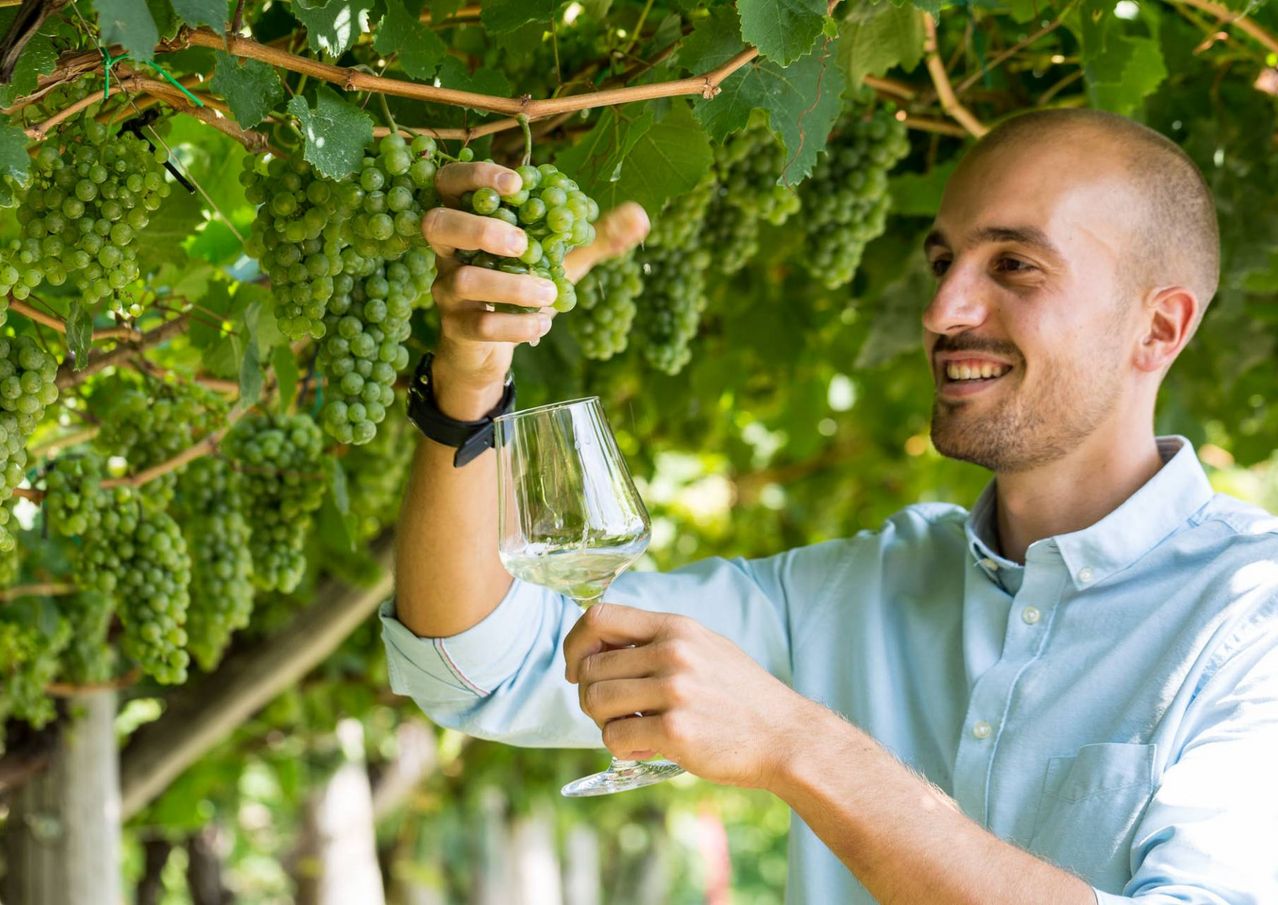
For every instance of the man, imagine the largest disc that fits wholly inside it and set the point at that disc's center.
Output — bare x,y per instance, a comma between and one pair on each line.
1068,696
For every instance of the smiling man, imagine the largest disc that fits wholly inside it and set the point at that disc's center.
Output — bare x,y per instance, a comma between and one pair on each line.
1067,696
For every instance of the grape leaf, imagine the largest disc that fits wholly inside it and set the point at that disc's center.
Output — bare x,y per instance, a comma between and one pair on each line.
419,49
251,87
783,30
444,9
501,16
14,160
202,12
454,74
332,27
129,24
166,20
336,133
286,374
802,99
596,161
876,38
38,58
251,377
1120,70
919,194
668,159
79,334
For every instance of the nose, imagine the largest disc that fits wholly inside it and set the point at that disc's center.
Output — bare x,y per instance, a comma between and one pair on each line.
958,304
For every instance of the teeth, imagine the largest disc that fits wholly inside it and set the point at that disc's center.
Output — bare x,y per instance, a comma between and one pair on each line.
984,370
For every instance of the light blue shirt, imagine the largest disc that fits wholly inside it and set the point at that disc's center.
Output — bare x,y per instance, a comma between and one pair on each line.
1111,706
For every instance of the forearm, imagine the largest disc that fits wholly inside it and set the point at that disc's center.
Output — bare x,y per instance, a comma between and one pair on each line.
448,574
904,839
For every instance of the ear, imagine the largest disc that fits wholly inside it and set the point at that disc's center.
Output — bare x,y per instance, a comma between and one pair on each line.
1171,314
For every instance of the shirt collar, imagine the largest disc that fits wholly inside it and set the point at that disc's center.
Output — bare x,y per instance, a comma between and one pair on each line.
1167,500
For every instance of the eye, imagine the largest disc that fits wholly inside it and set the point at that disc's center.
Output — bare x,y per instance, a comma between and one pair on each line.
1013,265
938,266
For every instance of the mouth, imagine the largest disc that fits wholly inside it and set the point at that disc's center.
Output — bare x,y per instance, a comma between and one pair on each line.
970,376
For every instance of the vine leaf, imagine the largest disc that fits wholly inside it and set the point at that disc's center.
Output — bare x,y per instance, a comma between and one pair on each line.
596,161
667,160
79,334
420,50
202,12
783,30
802,99
1120,70
284,363
873,39
500,16
336,133
129,24
252,88
332,27
14,160
38,58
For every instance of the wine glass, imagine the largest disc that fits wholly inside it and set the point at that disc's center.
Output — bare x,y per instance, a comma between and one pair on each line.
569,518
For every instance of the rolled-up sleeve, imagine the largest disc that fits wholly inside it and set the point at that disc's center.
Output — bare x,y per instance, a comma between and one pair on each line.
503,678
1210,833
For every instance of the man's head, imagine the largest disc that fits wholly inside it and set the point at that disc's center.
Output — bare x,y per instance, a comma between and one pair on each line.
1075,252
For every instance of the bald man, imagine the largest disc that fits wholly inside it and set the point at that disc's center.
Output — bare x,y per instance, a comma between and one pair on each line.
1066,696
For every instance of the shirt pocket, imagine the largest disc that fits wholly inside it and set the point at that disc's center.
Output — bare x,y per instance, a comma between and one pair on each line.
1089,808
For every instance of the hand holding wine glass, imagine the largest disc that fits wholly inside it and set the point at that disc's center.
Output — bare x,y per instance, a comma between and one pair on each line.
569,518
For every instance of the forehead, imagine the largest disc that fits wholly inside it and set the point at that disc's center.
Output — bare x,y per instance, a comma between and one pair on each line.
1073,190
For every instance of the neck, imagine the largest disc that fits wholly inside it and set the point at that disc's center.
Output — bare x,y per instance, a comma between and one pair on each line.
1073,492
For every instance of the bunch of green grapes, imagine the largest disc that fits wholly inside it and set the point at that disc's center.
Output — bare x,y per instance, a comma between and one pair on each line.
376,474
297,238
211,507
151,421
27,388
280,459
846,200
74,496
555,213
138,557
92,192
89,656
681,220
674,299
30,657
311,230
749,167
606,306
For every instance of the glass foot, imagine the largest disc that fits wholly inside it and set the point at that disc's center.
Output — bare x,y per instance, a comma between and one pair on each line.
622,776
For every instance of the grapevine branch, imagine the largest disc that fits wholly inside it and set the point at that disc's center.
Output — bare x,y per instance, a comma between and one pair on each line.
941,79
56,323
68,378
1016,48
1238,19
44,589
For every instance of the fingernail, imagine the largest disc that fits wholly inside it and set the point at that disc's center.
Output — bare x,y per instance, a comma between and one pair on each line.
517,244
508,183
544,326
547,293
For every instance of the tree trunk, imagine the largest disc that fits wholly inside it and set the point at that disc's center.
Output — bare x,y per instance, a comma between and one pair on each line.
337,864
492,867
582,869
62,843
535,860
204,868
415,759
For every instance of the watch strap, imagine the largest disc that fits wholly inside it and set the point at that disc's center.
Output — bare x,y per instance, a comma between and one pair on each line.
470,438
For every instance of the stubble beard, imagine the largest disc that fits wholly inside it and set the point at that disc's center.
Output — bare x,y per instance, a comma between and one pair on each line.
1026,431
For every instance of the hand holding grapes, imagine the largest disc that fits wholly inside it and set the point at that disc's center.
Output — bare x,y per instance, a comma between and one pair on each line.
477,342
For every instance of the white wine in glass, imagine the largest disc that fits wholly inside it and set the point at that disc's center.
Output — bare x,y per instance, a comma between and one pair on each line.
570,519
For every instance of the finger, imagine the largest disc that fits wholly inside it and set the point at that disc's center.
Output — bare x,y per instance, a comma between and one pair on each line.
619,663
616,698
448,230
617,231
479,325
608,624
636,737
455,179
470,283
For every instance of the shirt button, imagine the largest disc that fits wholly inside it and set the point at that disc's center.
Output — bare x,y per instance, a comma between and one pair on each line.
982,730
989,564
1085,574
1031,615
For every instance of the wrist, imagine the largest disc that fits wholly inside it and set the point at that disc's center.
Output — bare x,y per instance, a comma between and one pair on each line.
800,749
464,397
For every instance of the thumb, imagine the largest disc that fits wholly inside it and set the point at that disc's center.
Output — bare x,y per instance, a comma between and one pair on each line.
606,626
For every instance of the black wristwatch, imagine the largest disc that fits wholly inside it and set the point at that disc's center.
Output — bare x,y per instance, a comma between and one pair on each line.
469,437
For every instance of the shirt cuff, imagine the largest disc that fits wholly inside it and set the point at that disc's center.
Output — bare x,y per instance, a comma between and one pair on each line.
1105,898
477,660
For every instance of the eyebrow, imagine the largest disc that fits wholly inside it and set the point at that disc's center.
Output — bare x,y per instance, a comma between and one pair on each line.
1022,235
